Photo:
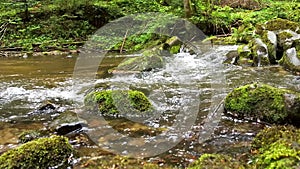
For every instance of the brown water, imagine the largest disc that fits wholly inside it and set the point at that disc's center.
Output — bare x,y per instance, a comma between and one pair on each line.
27,84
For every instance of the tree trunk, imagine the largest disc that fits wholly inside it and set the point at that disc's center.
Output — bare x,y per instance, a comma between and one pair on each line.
187,8
26,13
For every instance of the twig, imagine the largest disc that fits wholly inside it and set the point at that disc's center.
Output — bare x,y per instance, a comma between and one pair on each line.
124,40
3,29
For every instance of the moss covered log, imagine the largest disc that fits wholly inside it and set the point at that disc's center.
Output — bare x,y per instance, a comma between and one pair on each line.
111,101
264,102
53,152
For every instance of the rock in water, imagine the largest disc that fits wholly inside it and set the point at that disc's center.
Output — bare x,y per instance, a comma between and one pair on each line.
118,101
264,102
291,60
260,53
53,152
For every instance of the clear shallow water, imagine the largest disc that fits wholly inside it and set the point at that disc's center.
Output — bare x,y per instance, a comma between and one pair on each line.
27,84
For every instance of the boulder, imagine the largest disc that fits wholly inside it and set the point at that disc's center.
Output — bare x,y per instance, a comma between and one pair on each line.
291,60
264,102
270,39
273,40
149,59
232,57
52,152
112,101
259,51
281,24
244,56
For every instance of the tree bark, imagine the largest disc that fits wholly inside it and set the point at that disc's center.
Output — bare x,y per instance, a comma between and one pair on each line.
187,8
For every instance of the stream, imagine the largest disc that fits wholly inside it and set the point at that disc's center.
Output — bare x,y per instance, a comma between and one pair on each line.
27,84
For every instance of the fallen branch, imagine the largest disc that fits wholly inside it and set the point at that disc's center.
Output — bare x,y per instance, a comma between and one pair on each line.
3,30
124,40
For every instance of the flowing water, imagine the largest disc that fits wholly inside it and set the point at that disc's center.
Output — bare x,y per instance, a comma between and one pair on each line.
187,84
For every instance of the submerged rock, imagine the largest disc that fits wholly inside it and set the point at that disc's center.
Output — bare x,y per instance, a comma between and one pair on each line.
30,135
53,152
232,57
111,101
264,102
66,122
273,147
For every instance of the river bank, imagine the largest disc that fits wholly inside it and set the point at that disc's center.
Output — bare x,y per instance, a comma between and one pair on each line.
47,26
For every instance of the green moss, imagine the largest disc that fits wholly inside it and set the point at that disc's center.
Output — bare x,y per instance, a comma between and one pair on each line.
106,101
175,49
259,101
282,38
281,24
216,161
271,134
280,154
41,153
277,147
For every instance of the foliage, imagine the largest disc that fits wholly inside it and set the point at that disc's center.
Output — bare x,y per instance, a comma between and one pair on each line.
52,23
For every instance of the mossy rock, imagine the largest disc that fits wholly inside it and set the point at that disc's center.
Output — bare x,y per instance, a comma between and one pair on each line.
291,60
261,101
277,147
259,52
284,39
109,101
216,161
281,24
269,135
232,57
244,51
53,152
150,59
270,39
